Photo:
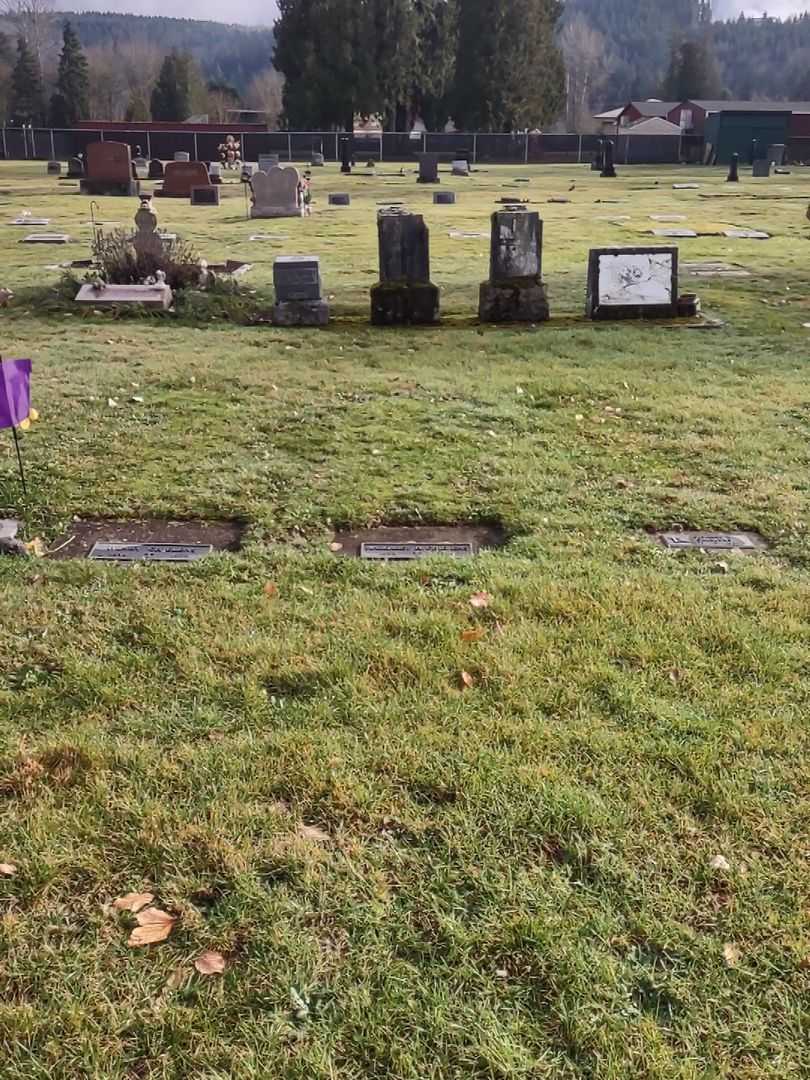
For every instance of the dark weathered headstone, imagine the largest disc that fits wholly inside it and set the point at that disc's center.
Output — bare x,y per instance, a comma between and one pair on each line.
181,176
297,282
400,552
734,170
156,170
428,169
108,170
632,283
339,198
761,168
54,168
346,154
608,168
75,168
205,195
149,552
515,291
599,157
444,198
404,293
776,153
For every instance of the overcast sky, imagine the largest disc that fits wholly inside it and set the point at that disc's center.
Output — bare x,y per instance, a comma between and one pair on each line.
262,12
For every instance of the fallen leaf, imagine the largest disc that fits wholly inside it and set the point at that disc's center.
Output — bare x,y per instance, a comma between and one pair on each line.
154,925
475,633
133,901
312,832
210,963
271,589
8,869
480,599
719,862
467,679
731,955
336,546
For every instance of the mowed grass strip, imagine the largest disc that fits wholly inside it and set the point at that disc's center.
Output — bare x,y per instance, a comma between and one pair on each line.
411,874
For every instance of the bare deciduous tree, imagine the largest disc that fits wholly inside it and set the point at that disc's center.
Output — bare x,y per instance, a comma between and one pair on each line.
35,21
265,93
587,66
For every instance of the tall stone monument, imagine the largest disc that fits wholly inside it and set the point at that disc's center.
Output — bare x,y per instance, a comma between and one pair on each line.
515,291
404,293
608,168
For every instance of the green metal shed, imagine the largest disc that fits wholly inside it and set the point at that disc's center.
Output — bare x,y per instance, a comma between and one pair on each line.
734,132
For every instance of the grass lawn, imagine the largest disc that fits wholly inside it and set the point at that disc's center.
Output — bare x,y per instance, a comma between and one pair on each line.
408,878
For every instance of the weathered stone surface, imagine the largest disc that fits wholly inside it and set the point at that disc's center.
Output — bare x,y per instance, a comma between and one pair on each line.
339,198
516,244
276,193
608,168
268,161
519,302
301,313
734,170
460,167
54,168
181,155
75,168
153,296
402,303
205,195
428,169
156,170
761,169
444,198
404,246
180,177
297,277
108,170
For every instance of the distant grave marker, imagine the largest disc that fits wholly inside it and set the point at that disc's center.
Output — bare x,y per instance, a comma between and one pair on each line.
299,300
400,552
110,552
711,541
46,238
108,170
205,195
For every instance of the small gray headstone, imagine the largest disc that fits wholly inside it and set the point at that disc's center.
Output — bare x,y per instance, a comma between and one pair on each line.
400,552
428,169
339,198
444,198
761,168
297,277
460,167
149,552
268,162
54,168
181,155
8,528
316,160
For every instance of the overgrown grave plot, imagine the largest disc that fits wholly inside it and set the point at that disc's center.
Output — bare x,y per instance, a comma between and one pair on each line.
147,539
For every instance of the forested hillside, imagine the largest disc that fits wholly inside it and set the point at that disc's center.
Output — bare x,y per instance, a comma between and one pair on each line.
226,54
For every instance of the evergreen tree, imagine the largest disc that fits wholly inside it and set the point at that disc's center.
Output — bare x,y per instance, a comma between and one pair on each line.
27,105
509,71
70,102
170,96
693,73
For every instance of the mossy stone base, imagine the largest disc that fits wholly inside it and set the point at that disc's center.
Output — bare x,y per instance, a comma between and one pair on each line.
521,300
404,303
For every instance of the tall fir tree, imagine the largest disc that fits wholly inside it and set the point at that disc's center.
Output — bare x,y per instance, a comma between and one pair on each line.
509,71
171,93
27,104
70,102
693,72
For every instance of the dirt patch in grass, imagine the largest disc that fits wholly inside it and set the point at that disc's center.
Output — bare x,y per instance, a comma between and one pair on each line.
479,536
222,535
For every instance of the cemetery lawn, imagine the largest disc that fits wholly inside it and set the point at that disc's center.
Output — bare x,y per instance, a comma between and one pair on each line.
562,835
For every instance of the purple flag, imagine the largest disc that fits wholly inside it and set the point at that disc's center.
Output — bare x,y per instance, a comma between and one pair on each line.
15,392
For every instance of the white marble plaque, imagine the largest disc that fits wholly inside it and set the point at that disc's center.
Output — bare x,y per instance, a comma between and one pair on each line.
635,278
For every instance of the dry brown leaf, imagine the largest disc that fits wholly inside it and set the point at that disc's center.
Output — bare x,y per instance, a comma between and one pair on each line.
133,901
731,955
210,963
467,680
7,869
312,832
475,633
271,589
154,925
481,599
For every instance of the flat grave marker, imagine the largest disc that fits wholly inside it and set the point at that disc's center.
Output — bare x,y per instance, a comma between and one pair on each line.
695,539
46,238
111,552
401,552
